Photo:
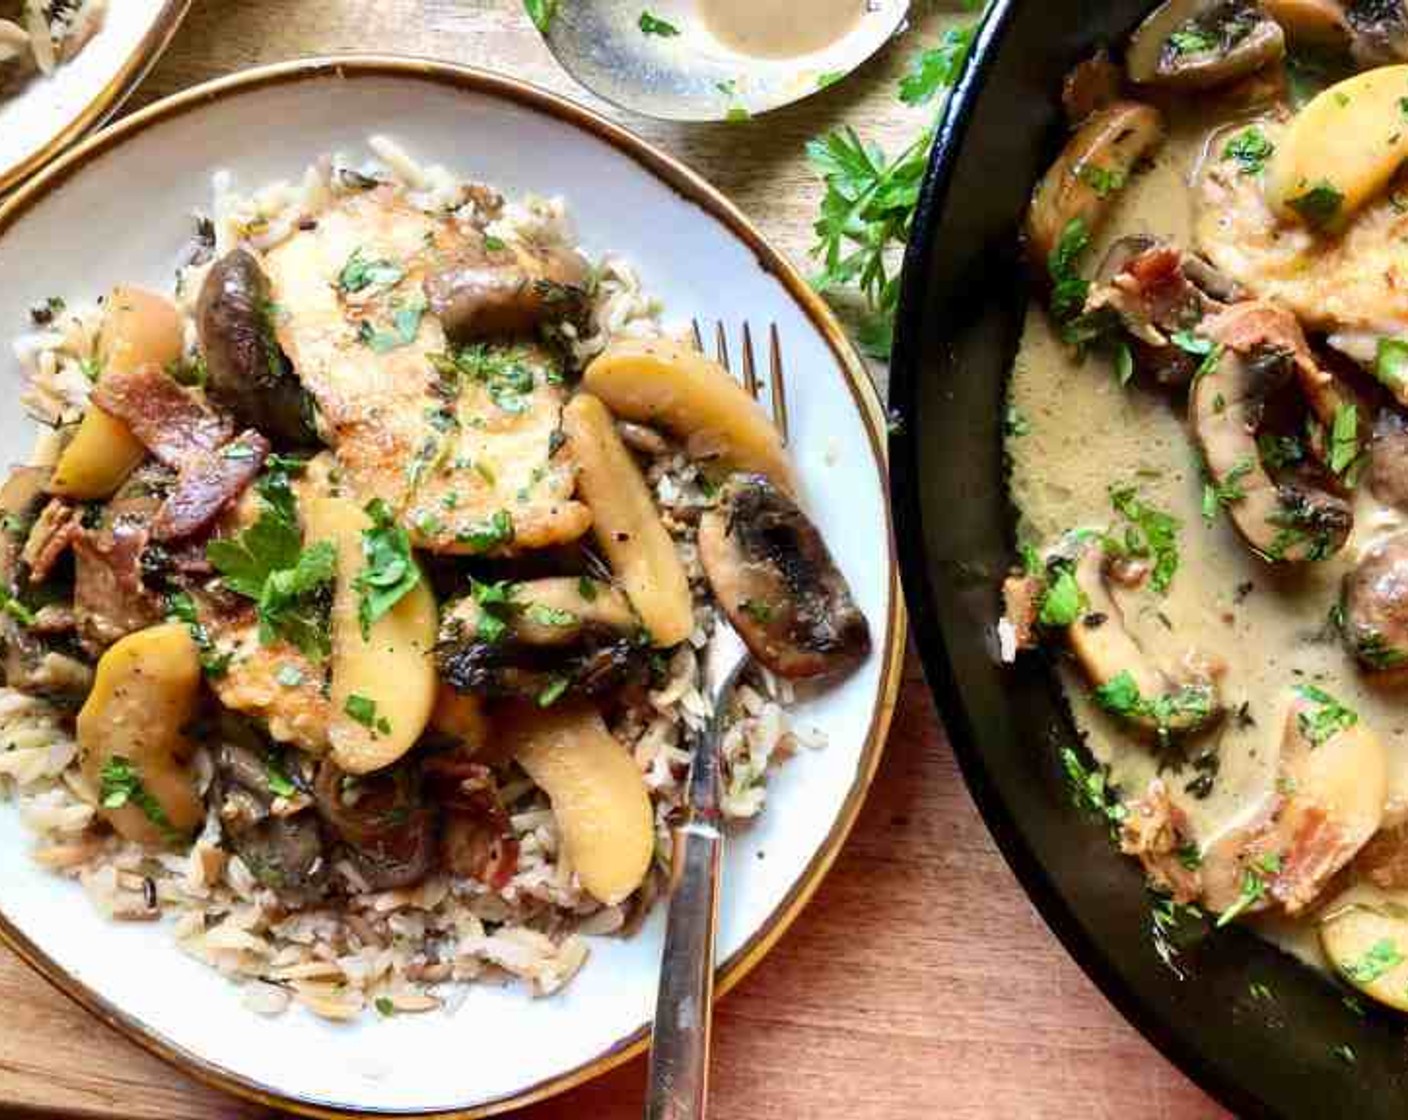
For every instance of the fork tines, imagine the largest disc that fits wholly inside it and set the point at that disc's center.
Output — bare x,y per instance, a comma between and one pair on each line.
777,385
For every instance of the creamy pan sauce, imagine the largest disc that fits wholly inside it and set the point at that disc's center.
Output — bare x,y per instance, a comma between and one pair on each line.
780,28
1081,433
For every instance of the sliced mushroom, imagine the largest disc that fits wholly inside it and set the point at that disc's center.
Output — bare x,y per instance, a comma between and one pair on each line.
1375,606
21,499
284,851
1321,23
777,582
493,289
383,819
1327,801
541,638
1387,476
1089,173
1289,521
1199,44
1368,945
1127,682
1379,31
247,372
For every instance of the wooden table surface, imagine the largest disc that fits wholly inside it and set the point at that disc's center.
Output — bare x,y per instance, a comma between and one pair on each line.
920,982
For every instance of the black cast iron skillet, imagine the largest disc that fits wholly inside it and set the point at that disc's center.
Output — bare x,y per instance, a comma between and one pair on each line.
1303,1052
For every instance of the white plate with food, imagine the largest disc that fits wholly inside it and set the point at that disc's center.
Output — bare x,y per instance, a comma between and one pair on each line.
65,65
353,591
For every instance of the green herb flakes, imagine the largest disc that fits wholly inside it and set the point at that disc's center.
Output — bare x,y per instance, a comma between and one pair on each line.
1250,149
653,25
1329,718
362,709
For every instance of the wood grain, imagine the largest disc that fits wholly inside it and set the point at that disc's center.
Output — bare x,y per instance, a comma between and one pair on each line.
920,982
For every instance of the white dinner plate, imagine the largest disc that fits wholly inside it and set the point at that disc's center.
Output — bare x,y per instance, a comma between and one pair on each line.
118,208
51,112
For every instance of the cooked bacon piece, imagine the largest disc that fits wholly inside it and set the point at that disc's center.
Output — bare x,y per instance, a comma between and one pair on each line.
173,423
478,839
109,597
57,528
209,482
1021,602
1156,831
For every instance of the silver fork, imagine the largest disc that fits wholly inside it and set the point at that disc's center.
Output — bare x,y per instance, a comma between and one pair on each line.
679,1046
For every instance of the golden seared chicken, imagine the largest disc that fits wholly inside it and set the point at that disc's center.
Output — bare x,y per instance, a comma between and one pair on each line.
462,444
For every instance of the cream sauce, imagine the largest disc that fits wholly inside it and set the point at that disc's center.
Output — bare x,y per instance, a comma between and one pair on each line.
779,28
1086,433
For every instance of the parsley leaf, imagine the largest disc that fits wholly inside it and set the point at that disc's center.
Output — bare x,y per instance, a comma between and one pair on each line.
1254,882
405,321
1319,205
1120,696
541,13
489,533
363,710
1063,601
933,71
389,571
545,615
120,784
1068,287
1382,957
1251,149
276,776
495,601
1329,718
268,564
653,25
553,692
1152,533
1344,438
1224,493
1391,363
361,273
181,607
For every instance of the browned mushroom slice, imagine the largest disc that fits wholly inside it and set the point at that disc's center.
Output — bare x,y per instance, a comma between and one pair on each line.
1321,23
541,639
1387,476
1375,606
1327,801
1199,44
775,579
1127,683
1083,182
1259,352
247,372
383,819
1378,31
491,289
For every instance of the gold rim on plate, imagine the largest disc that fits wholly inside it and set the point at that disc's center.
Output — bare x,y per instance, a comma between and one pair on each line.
137,66
689,185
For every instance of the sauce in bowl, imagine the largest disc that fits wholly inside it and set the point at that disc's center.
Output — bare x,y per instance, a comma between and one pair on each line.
780,28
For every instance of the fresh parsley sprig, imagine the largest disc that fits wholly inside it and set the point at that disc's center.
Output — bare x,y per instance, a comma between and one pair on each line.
389,571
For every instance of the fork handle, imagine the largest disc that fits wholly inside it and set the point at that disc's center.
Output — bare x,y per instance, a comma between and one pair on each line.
679,1048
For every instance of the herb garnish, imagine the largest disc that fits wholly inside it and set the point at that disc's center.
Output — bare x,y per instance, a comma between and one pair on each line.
268,563
361,273
389,571
363,710
1151,532
653,25
1251,149
1391,363
553,692
1328,720
120,784
1224,493
541,12
405,320
1382,957
545,615
1068,287
1063,601
490,533
1319,205
1344,440
1120,696
181,607
1254,880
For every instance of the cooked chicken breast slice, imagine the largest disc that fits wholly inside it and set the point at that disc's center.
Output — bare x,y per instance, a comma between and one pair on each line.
460,449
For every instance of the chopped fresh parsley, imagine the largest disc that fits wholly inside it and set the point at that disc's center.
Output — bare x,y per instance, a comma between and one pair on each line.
504,371
653,25
289,675
586,588
363,710
1391,363
1191,39
389,571
276,775
1151,532
1091,788
11,605
1104,181
1382,957
541,13
495,601
1224,493
1329,718
1120,696
181,607
1068,287
545,615
1251,149
1014,423
490,533
361,273
1063,601
405,325
1255,877
1344,439
553,692
120,784
934,71
1371,647
1319,205
759,610
267,563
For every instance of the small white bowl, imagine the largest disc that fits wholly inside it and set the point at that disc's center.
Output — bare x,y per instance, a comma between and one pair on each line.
50,112
118,208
